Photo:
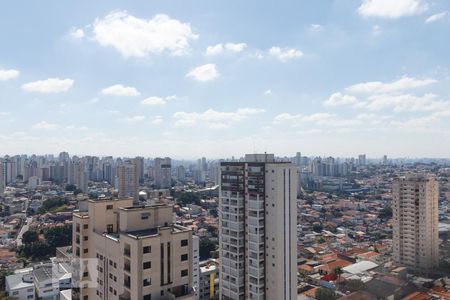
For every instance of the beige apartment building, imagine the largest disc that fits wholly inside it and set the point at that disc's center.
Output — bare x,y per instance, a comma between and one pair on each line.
415,222
258,237
128,252
128,176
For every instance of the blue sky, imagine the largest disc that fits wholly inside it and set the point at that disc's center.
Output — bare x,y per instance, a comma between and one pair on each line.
202,78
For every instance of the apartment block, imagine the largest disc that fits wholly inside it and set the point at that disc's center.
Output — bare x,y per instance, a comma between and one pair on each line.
257,213
415,222
129,252
128,175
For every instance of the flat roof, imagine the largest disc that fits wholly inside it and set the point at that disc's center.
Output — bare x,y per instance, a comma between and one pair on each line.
15,282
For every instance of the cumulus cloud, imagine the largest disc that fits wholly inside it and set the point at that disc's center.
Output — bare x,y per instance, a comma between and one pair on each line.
153,100
377,96
284,54
204,73
317,119
338,99
51,85
436,17
405,83
227,47
391,9
120,90
157,120
214,119
405,102
135,37
8,74
76,33
44,125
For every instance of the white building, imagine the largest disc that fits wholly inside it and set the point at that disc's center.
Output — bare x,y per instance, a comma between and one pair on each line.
258,217
20,285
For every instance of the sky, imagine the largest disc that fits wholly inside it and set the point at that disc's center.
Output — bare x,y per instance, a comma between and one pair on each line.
188,79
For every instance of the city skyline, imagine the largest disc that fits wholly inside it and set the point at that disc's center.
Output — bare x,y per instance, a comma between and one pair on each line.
164,80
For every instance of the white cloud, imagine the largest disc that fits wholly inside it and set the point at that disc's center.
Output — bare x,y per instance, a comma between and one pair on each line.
235,47
436,17
406,102
230,47
135,37
214,50
157,120
204,73
339,99
153,101
315,28
391,8
44,125
51,85
284,54
120,90
268,92
214,119
8,74
321,119
76,33
134,119
405,83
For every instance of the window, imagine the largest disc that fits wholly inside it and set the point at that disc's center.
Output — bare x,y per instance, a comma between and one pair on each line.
85,226
147,265
147,249
109,206
147,282
145,216
85,238
184,273
109,228
85,250
85,274
184,243
77,227
184,257
148,297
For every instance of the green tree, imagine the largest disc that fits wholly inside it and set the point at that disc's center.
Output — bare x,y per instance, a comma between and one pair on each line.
29,237
213,212
354,285
338,272
206,246
385,212
325,294
71,187
318,228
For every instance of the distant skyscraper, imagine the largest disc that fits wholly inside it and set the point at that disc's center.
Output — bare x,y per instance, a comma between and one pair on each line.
140,168
415,222
385,160
127,174
362,159
2,177
258,217
163,172
181,173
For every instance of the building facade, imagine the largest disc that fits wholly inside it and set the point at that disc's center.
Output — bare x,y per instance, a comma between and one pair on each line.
415,222
257,212
127,252
163,172
128,175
